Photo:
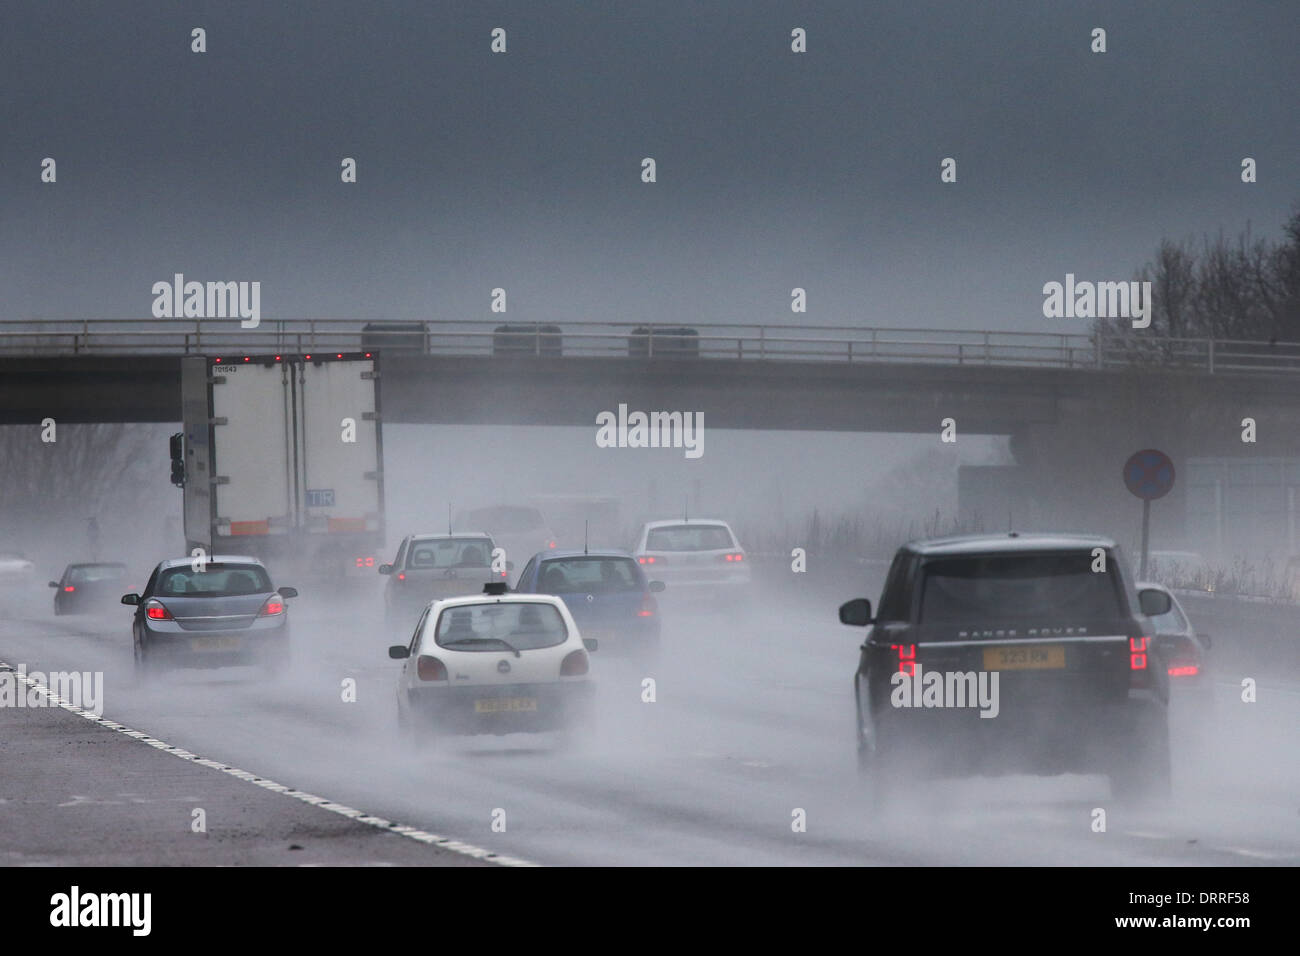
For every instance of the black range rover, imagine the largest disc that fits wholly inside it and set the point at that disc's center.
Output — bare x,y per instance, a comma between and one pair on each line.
1013,653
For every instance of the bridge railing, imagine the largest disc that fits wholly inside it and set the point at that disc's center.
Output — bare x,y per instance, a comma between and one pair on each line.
213,337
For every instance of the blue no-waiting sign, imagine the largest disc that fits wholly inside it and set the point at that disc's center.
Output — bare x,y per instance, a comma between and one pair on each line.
1149,474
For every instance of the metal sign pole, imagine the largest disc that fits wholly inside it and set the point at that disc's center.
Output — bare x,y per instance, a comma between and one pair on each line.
1146,529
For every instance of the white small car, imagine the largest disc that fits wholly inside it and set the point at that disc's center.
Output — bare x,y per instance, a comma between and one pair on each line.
699,555
494,663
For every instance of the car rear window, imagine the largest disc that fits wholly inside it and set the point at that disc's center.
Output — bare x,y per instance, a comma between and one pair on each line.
1036,588
450,553
216,580
690,537
589,575
86,573
524,625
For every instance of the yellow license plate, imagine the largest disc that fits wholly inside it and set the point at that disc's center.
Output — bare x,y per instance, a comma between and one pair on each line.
1033,658
215,643
500,705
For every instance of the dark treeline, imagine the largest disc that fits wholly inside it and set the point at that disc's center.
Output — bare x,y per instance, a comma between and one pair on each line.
1245,288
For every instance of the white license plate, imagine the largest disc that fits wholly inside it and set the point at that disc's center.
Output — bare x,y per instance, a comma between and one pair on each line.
505,705
207,644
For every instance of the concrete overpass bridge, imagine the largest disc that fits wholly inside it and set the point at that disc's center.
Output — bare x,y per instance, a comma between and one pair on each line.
1074,405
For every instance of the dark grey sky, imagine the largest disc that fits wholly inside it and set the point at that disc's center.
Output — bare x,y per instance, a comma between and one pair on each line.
818,170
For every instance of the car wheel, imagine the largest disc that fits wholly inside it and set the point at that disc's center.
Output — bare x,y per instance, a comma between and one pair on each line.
417,735
1144,774
146,664
876,767
277,659
880,773
648,651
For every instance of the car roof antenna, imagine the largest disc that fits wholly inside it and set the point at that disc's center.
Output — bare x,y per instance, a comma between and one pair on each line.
585,522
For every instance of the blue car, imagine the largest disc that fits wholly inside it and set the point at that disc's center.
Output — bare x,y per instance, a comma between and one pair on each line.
607,593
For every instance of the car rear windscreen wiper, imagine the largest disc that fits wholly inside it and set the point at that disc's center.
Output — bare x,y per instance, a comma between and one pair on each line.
481,640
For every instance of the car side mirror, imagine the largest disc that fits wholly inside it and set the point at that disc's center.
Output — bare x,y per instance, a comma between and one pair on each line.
856,613
399,652
1153,602
385,569
590,643
657,586
288,592
130,599
54,584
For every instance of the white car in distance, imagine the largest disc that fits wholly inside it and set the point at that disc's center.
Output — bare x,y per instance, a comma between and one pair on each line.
696,556
494,663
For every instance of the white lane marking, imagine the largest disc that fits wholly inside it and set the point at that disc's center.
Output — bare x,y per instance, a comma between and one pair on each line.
1258,854
423,836
1216,848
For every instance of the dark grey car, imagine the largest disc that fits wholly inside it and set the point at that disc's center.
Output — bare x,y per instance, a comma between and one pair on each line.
224,612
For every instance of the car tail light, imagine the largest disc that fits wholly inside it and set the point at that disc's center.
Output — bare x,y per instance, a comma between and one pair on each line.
274,605
551,544
733,556
1184,667
430,668
650,559
648,605
906,658
69,588
366,562
503,574
156,612
574,664
401,576
1137,653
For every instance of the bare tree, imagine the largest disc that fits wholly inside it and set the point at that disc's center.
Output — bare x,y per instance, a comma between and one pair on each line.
1245,289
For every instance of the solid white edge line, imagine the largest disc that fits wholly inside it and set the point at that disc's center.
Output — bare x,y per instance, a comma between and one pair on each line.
360,816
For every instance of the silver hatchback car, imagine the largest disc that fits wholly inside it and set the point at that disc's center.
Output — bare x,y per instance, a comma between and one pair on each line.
220,613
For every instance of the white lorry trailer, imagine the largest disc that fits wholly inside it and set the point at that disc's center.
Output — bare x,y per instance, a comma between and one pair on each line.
283,460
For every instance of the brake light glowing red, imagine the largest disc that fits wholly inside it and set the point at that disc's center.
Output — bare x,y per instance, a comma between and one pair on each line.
156,612
906,658
733,557
401,576
272,607
1184,670
430,668
649,559
551,545
574,664
69,588
366,562
1137,653
648,605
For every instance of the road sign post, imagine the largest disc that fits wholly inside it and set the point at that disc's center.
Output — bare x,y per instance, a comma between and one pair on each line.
1148,474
